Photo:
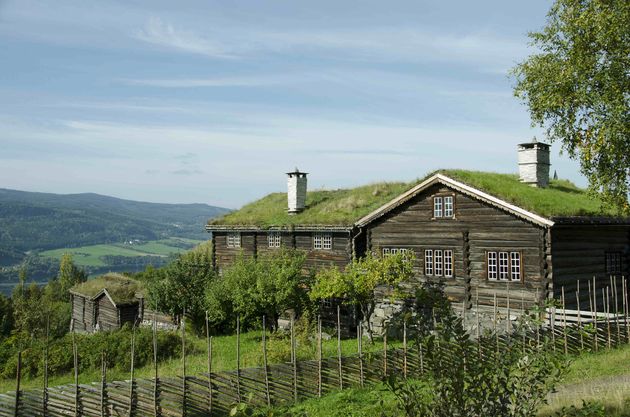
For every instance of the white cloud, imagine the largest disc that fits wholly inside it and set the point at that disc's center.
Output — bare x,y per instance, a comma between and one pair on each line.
166,35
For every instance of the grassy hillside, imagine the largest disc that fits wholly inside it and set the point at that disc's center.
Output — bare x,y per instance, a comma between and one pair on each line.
103,255
31,221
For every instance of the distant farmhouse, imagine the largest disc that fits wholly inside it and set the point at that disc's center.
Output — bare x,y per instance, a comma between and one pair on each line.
478,233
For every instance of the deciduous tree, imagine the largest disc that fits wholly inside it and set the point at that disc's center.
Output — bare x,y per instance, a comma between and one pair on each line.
577,86
357,282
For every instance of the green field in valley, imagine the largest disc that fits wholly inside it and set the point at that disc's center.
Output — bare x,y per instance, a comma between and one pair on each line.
93,255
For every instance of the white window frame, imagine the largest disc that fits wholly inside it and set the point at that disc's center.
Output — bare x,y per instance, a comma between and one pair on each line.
437,262
448,263
438,207
428,261
274,239
449,206
233,239
493,266
322,241
394,251
504,265
515,266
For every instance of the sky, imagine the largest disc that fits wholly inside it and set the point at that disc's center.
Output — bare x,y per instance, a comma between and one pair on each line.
214,101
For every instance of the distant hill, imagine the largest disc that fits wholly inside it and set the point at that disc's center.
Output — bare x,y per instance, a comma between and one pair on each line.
37,221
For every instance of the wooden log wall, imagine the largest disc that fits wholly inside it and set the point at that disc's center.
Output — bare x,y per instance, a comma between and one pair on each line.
255,243
579,253
475,229
107,317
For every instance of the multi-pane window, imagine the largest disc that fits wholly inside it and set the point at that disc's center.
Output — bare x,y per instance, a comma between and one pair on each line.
394,251
613,263
274,239
448,263
504,266
437,207
492,265
322,241
438,262
448,206
515,266
443,207
428,262
234,240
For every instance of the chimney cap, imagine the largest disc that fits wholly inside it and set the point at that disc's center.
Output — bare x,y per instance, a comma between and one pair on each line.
534,144
297,172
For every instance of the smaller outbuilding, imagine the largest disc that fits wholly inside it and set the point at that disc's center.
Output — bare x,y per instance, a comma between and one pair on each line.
106,303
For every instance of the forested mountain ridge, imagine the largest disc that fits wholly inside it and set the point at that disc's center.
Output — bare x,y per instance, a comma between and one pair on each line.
35,221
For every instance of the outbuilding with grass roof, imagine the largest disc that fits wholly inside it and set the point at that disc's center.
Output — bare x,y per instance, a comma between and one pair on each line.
106,303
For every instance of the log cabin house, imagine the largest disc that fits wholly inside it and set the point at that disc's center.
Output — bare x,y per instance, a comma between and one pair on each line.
481,234
105,303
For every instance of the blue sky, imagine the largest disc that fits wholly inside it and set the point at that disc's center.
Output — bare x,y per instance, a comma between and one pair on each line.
214,101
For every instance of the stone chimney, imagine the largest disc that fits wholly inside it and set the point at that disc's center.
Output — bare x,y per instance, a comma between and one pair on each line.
296,191
533,163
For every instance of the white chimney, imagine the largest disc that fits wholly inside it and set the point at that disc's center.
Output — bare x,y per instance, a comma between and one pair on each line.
533,163
296,191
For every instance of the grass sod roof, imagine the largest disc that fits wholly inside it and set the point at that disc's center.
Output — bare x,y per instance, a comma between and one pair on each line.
346,206
122,289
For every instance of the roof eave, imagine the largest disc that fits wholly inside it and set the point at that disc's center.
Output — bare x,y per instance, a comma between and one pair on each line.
282,228
458,186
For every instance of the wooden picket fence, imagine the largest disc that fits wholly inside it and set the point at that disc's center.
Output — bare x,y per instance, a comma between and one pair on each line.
215,393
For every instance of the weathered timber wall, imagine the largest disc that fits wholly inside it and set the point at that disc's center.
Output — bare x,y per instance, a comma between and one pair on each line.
475,229
254,244
579,254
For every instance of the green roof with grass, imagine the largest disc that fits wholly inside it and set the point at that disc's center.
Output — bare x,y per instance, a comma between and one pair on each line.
120,288
345,206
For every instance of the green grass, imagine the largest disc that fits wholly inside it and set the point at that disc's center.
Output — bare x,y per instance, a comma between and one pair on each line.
595,374
561,198
331,207
346,206
223,358
92,255
121,288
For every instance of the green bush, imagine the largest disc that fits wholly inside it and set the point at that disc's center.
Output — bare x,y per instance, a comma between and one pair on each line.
115,345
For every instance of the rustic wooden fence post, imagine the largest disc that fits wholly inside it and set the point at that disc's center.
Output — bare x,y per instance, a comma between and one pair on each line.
184,391
508,321
579,313
496,331
360,352
339,346
319,356
45,396
385,353
131,383
607,306
564,323
405,349
614,290
594,310
265,365
75,353
18,378
156,380
209,360
625,307
238,358
294,361
103,405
